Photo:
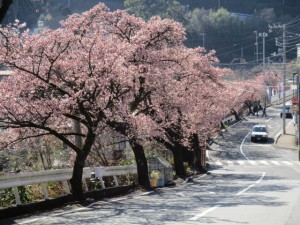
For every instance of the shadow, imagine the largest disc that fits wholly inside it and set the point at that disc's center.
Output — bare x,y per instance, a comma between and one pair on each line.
269,141
178,205
173,205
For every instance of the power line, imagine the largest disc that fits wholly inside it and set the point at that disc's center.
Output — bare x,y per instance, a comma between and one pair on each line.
296,19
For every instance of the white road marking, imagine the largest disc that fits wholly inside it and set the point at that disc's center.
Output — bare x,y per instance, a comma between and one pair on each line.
205,212
230,163
244,190
276,163
241,147
237,194
241,162
252,162
264,162
219,163
252,185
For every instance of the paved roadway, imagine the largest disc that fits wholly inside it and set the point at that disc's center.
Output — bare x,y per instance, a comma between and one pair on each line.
248,183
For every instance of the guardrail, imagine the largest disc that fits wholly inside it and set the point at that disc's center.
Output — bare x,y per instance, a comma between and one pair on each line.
114,171
62,175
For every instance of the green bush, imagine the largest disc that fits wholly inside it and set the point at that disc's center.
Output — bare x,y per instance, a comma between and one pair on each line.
7,197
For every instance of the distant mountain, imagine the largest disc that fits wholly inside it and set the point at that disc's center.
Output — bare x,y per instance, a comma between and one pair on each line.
282,8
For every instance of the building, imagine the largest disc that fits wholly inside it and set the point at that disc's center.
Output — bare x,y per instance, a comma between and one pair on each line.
5,73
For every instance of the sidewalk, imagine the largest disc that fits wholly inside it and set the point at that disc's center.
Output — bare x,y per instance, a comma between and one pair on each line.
287,140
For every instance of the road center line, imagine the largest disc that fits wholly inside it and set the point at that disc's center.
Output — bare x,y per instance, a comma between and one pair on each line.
268,120
241,147
244,190
205,212
237,194
251,185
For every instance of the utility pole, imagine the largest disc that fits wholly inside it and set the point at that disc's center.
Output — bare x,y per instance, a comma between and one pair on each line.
298,116
264,35
242,51
256,47
203,39
283,27
269,82
283,75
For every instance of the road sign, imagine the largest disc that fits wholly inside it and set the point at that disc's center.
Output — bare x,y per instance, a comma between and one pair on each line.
294,101
294,86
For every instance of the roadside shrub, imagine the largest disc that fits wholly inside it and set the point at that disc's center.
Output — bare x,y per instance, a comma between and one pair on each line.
7,197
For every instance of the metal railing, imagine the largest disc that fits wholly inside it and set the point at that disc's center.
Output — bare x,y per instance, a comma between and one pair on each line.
61,175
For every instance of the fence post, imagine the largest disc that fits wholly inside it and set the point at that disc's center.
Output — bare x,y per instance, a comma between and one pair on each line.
116,180
17,196
128,179
85,185
98,173
66,187
45,191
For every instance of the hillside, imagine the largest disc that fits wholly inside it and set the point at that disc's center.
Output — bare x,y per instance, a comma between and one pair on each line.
227,26
289,8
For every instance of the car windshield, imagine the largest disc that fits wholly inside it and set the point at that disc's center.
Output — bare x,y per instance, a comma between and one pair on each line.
287,108
259,129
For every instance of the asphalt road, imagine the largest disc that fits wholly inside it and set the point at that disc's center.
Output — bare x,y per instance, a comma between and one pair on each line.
248,183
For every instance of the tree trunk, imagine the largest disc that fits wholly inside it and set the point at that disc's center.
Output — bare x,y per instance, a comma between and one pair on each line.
187,156
222,125
180,155
178,162
76,181
141,161
249,106
198,153
236,116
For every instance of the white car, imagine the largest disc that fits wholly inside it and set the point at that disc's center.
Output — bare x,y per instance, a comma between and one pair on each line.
259,133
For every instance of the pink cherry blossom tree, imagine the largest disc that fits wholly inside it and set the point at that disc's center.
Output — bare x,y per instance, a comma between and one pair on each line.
103,69
62,76
88,71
